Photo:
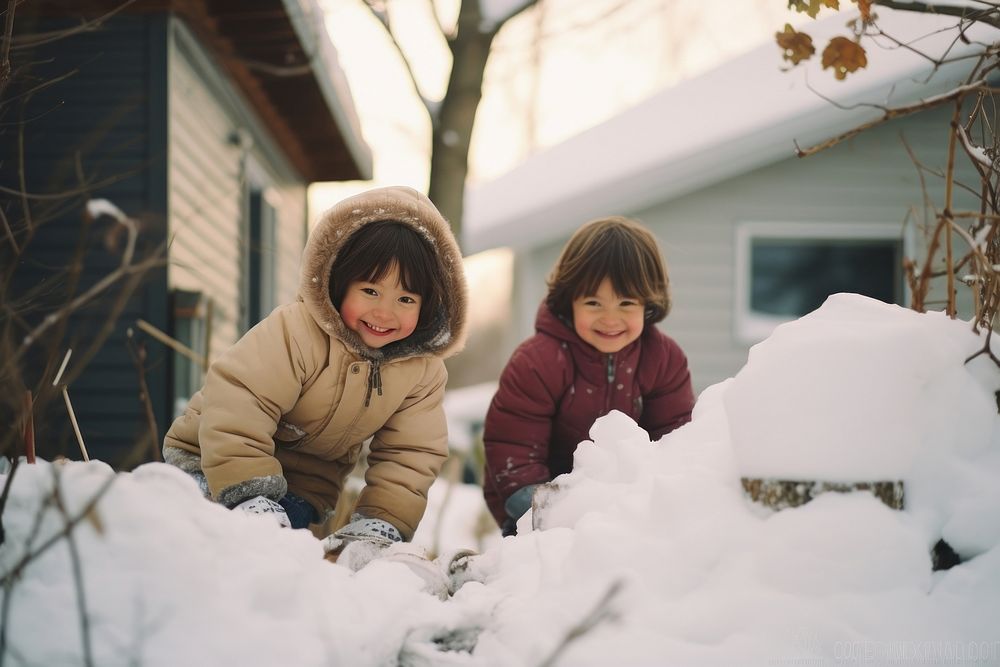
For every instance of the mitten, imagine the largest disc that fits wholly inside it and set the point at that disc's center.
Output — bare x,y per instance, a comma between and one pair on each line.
362,528
262,505
519,502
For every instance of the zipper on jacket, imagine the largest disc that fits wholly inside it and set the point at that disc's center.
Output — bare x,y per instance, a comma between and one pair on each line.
357,415
374,381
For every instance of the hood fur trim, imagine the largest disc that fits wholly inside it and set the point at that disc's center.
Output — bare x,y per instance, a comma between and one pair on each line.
403,205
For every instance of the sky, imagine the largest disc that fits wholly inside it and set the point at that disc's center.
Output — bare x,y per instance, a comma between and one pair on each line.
646,554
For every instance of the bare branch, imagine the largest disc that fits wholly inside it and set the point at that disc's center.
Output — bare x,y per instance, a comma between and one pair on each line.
949,193
601,612
10,233
15,572
974,152
889,114
22,177
599,19
138,353
28,413
8,35
14,462
126,268
965,13
42,86
81,593
382,16
55,196
31,41
986,349
172,343
937,62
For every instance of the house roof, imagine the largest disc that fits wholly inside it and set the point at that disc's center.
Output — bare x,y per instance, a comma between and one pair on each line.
742,115
279,55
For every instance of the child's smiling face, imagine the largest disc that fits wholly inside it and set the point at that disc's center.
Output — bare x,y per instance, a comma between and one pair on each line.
608,321
380,312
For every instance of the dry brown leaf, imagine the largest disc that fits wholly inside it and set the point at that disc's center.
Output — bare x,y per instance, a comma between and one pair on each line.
844,56
94,519
812,7
796,46
865,7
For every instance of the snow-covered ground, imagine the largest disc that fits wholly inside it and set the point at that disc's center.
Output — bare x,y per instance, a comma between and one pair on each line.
647,554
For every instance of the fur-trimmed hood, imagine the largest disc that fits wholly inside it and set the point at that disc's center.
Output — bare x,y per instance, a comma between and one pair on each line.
403,205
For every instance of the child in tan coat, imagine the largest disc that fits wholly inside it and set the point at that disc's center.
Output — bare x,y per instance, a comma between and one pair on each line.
283,414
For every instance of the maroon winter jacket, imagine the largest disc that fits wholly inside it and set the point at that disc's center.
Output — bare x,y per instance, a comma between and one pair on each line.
555,386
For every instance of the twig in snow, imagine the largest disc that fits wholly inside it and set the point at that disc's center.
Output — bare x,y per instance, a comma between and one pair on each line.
74,552
29,428
601,612
138,353
69,406
84,513
6,492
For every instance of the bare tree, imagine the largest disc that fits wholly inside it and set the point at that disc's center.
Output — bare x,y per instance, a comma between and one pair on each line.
962,245
452,118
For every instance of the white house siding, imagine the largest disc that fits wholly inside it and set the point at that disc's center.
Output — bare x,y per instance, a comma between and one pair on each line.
208,174
290,204
869,179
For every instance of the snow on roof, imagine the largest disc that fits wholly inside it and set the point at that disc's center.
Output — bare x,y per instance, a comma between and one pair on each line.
742,115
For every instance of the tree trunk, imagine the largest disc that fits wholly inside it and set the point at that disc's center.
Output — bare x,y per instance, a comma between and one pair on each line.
452,129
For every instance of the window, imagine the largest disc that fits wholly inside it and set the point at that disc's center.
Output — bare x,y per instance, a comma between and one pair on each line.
785,270
192,328
263,242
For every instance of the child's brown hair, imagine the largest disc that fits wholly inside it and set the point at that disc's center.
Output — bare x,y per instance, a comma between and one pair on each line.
616,248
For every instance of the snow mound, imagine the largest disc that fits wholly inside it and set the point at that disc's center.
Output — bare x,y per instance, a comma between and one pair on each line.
650,554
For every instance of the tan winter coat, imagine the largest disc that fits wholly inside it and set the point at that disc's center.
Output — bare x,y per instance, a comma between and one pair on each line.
284,408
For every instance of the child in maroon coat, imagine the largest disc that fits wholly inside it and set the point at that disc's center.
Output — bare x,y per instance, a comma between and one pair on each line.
596,349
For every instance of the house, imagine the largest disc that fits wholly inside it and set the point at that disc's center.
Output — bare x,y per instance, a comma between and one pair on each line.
752,234
205,122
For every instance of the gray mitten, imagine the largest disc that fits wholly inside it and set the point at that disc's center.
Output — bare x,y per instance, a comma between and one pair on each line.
263,505
520,501
376,531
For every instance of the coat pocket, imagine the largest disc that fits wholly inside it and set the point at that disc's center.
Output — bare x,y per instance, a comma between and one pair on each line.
289,436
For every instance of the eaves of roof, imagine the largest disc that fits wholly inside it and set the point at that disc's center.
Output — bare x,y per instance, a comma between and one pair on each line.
279,54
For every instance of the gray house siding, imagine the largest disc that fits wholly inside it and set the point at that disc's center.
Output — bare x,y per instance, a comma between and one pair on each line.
98,125
218,154
869,180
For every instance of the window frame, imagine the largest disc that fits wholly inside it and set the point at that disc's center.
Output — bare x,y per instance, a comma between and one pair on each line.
750,327
191,325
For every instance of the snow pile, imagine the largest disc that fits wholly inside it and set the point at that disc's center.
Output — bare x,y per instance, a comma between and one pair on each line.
861,391
649,553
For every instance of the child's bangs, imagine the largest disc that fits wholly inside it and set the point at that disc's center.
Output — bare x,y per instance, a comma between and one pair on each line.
394,245
628,282
616,260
